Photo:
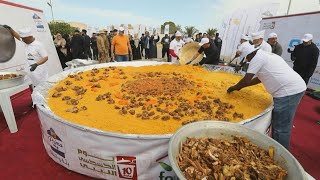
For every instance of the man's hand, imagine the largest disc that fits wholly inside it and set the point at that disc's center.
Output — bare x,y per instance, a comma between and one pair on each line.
33,67
231,89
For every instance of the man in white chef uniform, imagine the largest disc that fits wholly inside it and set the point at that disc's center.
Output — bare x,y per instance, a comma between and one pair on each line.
36,55
257,39
175,47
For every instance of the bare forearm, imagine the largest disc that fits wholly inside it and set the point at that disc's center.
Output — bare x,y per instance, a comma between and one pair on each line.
112,50
195,56
254,81
42,61
15,34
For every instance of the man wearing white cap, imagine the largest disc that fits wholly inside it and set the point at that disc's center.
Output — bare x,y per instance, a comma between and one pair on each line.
210,50
175,47
36,55
244,42
273,41
305,57
284,84
257,39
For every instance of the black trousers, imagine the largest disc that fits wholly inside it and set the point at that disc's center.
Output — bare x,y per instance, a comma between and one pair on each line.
87,52
305,75
164,52
95,53
147,53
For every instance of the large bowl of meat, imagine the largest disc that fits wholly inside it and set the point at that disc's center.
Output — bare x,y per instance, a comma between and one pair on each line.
11,79
209,150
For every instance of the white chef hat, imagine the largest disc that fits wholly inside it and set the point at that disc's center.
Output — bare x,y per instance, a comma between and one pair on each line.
25,32
178,33
247,50
245,37
257,35
272,35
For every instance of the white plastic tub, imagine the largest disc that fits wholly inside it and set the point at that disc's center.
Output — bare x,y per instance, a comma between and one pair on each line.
110,155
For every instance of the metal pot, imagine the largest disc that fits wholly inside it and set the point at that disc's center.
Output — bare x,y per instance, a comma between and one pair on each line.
7,45
225,130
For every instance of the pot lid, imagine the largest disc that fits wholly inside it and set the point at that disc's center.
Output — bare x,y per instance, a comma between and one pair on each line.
7,45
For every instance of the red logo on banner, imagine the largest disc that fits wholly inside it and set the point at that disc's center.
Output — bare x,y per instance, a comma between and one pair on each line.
127,167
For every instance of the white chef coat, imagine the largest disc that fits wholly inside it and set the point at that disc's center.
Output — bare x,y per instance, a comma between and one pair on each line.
242,47
34,52
176,47
265,46
276,75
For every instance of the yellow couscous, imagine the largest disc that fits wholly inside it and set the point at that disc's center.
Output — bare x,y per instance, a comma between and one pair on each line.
153,99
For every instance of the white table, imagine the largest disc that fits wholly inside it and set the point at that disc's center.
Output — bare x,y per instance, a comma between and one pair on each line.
6,106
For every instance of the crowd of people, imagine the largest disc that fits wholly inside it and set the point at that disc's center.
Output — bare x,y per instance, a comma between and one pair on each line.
107,46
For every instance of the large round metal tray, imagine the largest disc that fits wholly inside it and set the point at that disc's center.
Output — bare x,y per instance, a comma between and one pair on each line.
224,130
8,83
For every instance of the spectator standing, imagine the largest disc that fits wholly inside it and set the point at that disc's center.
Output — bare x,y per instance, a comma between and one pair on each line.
165,41
218,42
153,46
121,46
87,42
106,45
60,45
198,39
69,55
101,47
77,45
147,45
142,44
305,57
94,46
135,45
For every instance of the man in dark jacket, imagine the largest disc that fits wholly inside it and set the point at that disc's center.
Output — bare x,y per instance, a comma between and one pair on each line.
77,46
142,44
305,57
218,42
165,41
86,38
94,46
210,50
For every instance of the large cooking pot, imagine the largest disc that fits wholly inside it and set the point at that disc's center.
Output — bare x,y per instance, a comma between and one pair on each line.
7,45
225,130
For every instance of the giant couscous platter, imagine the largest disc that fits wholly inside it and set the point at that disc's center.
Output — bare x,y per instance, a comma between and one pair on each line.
152,99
